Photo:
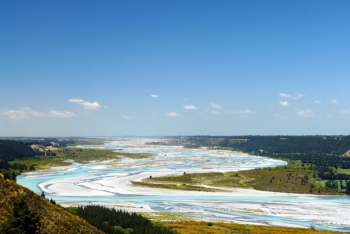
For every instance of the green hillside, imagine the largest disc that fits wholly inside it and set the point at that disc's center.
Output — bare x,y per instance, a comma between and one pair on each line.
10,149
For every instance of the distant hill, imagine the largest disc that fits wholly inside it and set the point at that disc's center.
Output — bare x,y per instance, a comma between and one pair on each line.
10,149
53,219
278,146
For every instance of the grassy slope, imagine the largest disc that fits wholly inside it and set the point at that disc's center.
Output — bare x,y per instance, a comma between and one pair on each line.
53,219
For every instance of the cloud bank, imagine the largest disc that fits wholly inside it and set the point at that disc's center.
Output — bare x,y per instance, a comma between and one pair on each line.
23,113
26,112
61,114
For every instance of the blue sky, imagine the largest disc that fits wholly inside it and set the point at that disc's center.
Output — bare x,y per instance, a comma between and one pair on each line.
114,68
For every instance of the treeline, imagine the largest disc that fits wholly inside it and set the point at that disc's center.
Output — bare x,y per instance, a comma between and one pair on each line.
9,174
19,149
276,145
10,150
16,149
11,171
48,141
114,221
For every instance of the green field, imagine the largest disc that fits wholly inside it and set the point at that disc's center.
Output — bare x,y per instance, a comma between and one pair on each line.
345,171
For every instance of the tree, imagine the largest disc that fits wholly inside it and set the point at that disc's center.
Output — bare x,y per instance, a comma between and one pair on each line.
347,191
21,220
52,201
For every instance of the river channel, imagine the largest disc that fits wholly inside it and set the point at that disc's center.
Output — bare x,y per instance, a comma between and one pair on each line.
108,183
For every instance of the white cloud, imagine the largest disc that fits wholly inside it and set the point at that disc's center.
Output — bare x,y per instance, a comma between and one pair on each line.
334,101
284,95
154,95
317,102
87,105
306,113
247,111
76,100
26,112
91,105
295,97
126,117
61,114
172,114
190,107
284,103
214,112
23,113
216,106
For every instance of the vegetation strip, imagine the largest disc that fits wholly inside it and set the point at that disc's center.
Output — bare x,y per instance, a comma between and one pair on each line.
114,221
294,178
192,227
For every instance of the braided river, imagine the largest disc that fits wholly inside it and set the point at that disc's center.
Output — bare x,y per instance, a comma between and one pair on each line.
108,183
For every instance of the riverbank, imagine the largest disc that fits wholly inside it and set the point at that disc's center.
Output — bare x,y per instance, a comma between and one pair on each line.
291,178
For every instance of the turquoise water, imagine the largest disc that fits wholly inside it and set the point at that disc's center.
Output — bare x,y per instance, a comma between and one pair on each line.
177,158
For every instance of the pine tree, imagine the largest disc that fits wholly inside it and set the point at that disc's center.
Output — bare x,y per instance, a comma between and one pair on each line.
347,191
52,201
21,220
